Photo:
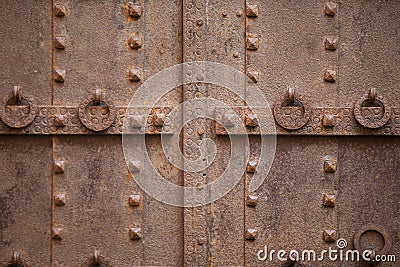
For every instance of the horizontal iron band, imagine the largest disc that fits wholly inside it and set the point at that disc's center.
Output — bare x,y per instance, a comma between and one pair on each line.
344,123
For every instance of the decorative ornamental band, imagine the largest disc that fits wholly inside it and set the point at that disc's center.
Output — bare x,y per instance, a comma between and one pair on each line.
66,120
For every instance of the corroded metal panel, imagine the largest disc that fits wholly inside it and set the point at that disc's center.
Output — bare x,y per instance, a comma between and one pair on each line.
286,47
25,49
102,205
25,203
120,53
369,49
369,192
290,213
95,213
78,64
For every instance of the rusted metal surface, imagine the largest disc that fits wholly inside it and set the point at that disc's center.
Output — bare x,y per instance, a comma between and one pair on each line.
125,228
368,50
290,213
64,120
369,193
328,69
323,121
291,52
25,200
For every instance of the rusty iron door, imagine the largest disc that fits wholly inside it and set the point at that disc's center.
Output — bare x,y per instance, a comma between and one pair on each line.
69,68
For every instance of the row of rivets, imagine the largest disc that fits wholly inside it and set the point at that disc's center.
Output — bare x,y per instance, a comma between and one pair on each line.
252,40
329,200
331,43
250,120
135,233
135,41
60,42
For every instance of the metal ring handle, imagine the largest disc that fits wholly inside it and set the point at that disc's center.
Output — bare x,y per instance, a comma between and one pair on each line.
100,123
371,96
18,120
15,260
377,228
290,119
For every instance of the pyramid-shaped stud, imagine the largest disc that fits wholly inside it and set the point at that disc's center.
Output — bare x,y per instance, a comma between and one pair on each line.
135,42
135,233
59,75
59,166
134,74
56,233
134,166
134,200
60,42
330,235
136,121
331,43
228,120
250,234
254,75
252,11
60,199
135,10
253,42
59,10
58,120
252,200
159,119
330,75
252,166
330,164
251,120
328,120
330,8
329,200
